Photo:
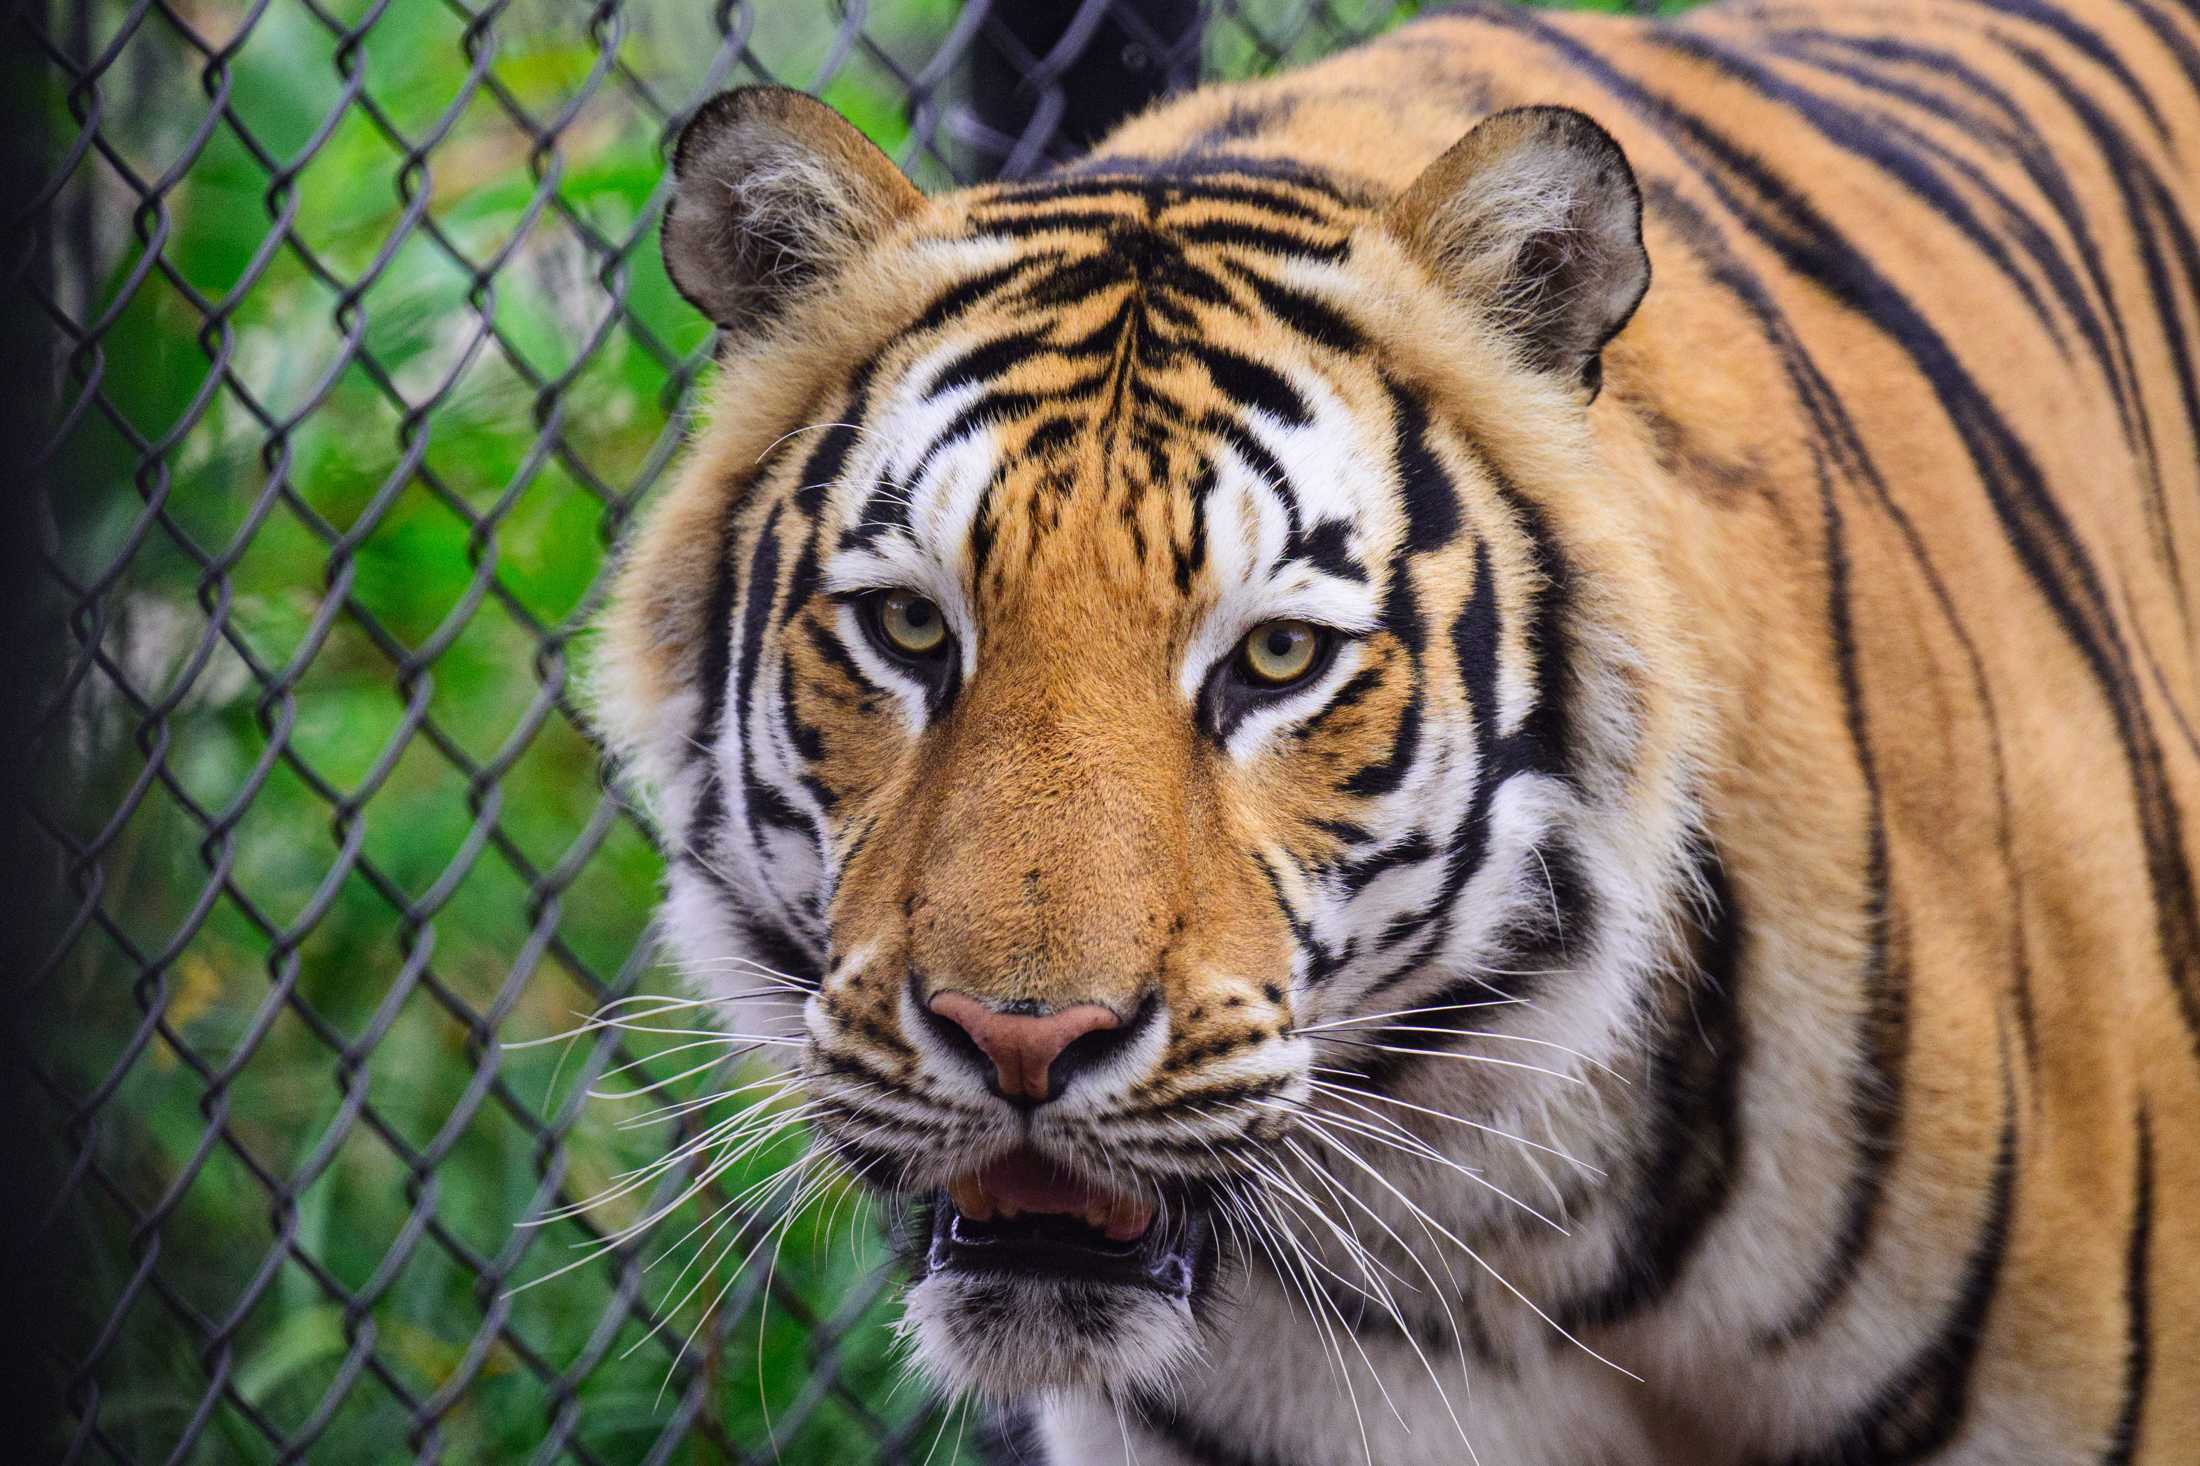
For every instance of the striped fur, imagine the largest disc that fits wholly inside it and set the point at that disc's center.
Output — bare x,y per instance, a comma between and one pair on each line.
1798,735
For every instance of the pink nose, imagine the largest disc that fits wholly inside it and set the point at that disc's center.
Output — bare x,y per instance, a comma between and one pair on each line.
1023,1047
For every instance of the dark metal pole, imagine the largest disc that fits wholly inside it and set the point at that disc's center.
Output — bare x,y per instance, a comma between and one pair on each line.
1048,78
33,1269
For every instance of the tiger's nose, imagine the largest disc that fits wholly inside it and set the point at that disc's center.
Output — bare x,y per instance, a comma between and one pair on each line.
1032,1054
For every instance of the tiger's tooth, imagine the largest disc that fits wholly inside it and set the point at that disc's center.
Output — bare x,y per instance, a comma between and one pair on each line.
1127,1219
1008,1210
970,1198
1097,1212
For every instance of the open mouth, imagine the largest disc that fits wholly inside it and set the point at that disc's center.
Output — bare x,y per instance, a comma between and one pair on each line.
1024,1214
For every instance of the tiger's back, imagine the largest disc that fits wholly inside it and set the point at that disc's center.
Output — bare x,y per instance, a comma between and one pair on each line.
1869,555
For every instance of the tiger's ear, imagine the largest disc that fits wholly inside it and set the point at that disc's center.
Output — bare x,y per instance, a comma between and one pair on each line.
1534,216
773,192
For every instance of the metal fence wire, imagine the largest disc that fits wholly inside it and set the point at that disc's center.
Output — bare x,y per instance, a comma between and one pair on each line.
359,359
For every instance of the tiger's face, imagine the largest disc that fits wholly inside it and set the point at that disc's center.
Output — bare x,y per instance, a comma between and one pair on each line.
1119,646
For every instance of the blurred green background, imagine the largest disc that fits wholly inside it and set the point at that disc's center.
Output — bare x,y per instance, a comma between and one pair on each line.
381,360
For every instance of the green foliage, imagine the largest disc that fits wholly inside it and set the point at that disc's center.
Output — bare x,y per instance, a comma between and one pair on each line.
371,473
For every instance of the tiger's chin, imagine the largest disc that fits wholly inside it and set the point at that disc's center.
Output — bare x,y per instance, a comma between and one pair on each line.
1045,1283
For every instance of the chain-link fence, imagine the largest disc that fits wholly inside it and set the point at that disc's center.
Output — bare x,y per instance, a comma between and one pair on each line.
361,357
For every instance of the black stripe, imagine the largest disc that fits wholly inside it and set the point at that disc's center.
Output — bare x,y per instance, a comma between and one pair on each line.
1540,743
1541,933
859,1065
957,300
1350,695
1430,498
1543,737
1190,558
1251,384
1877,139
762,590
1204,1100
988,222
828,645
715,667
991,407
1075,282
1243,120
1322,961
1870,138
1474,638
714,670
776,948
1314,319
1355,876
1694,1138
2173,40
889,504
1383,776
1052,434
1403,620
1175,182
1229,176
761,803
2123,1441
802,583
1264,467
1125,187
990,359
2145,200
984,516
2092,47
1327,547
1263,240
1106,336
1344,832
1920,1410
1835,434
2014,137
1876,1082
808,741
1200,1444
1225,175
855,1156
1155,258
822,469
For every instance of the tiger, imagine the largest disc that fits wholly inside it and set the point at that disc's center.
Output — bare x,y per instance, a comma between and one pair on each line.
1484,753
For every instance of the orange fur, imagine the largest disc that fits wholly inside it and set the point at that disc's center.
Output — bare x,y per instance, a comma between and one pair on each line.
1881,550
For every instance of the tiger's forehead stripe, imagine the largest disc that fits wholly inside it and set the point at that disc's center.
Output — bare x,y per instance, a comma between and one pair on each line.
1101,331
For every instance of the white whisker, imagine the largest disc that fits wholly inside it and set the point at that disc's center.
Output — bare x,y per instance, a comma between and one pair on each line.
815,427
1517,1038
1407,1013
1443,1115
1463,1058
1480,1262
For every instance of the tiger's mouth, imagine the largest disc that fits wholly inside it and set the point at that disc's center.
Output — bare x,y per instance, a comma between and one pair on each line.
1032,1276
1025,1215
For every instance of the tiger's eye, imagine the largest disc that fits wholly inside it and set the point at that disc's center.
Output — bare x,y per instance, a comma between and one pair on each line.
912,624
1278,653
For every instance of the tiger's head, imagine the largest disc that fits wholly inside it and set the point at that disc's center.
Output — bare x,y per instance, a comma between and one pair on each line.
1121,639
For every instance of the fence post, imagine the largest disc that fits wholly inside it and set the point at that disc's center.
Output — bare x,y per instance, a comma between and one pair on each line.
1049,77
32,1261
